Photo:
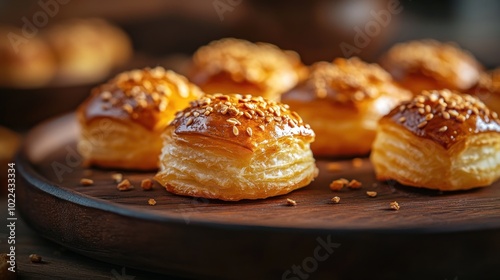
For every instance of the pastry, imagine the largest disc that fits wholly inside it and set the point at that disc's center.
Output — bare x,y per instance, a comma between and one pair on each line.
488,89
24,62
87,49
238,66
428,64
122,121
439,140
233,147
342,101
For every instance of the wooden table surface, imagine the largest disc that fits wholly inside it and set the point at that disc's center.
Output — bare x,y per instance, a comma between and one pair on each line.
59,263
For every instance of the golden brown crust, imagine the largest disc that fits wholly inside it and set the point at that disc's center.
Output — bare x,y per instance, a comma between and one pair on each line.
149,97
87,49
24,62
243,120
346,82
343,100
444,117
429,64
238,66
488,89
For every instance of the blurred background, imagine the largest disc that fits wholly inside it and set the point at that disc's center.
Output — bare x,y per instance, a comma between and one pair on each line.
49,62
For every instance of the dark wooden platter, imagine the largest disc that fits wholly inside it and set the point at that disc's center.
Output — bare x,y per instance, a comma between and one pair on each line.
434,235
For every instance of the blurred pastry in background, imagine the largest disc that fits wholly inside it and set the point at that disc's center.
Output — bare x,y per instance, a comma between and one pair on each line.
24,62
234,147
237,66
9,142
122,121
488,89
439,140
428,64
87,49
343,101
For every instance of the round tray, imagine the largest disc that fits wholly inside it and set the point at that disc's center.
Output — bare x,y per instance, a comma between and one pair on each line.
434,235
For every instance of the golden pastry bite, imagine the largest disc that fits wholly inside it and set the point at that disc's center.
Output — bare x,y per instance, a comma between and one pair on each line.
24,63
232,65
342,101
87,49
234,147
439,140
121,123
428,65
488,89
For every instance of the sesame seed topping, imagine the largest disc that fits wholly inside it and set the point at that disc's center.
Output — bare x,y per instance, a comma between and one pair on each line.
422,124
443,129
235,131
233,121
189,121
429,117
196,114
106,95
262,127
248,115
402,119
249,131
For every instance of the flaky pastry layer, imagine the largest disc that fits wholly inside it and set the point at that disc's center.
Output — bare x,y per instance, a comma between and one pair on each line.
400,155
202,166
106,142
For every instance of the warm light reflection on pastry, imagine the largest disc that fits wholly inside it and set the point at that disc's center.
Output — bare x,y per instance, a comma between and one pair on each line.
439,140
123,120
232,65
488,89
428,64
234,147
342,101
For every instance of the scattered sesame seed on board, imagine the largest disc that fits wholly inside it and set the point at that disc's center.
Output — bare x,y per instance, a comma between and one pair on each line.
291,202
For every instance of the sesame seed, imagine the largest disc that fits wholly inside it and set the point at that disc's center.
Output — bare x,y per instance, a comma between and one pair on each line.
443,129
249,131
207,113
187,114
371,193
248,115
262,127
429,117
189,121
453,113
427,108
421,111
106,95
291,202
196,114
269,119
422,124
402,108
446,115
402,119
233,121
235,131
461,118
260,113
128,108
224,110
335,199
86,182
117,177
